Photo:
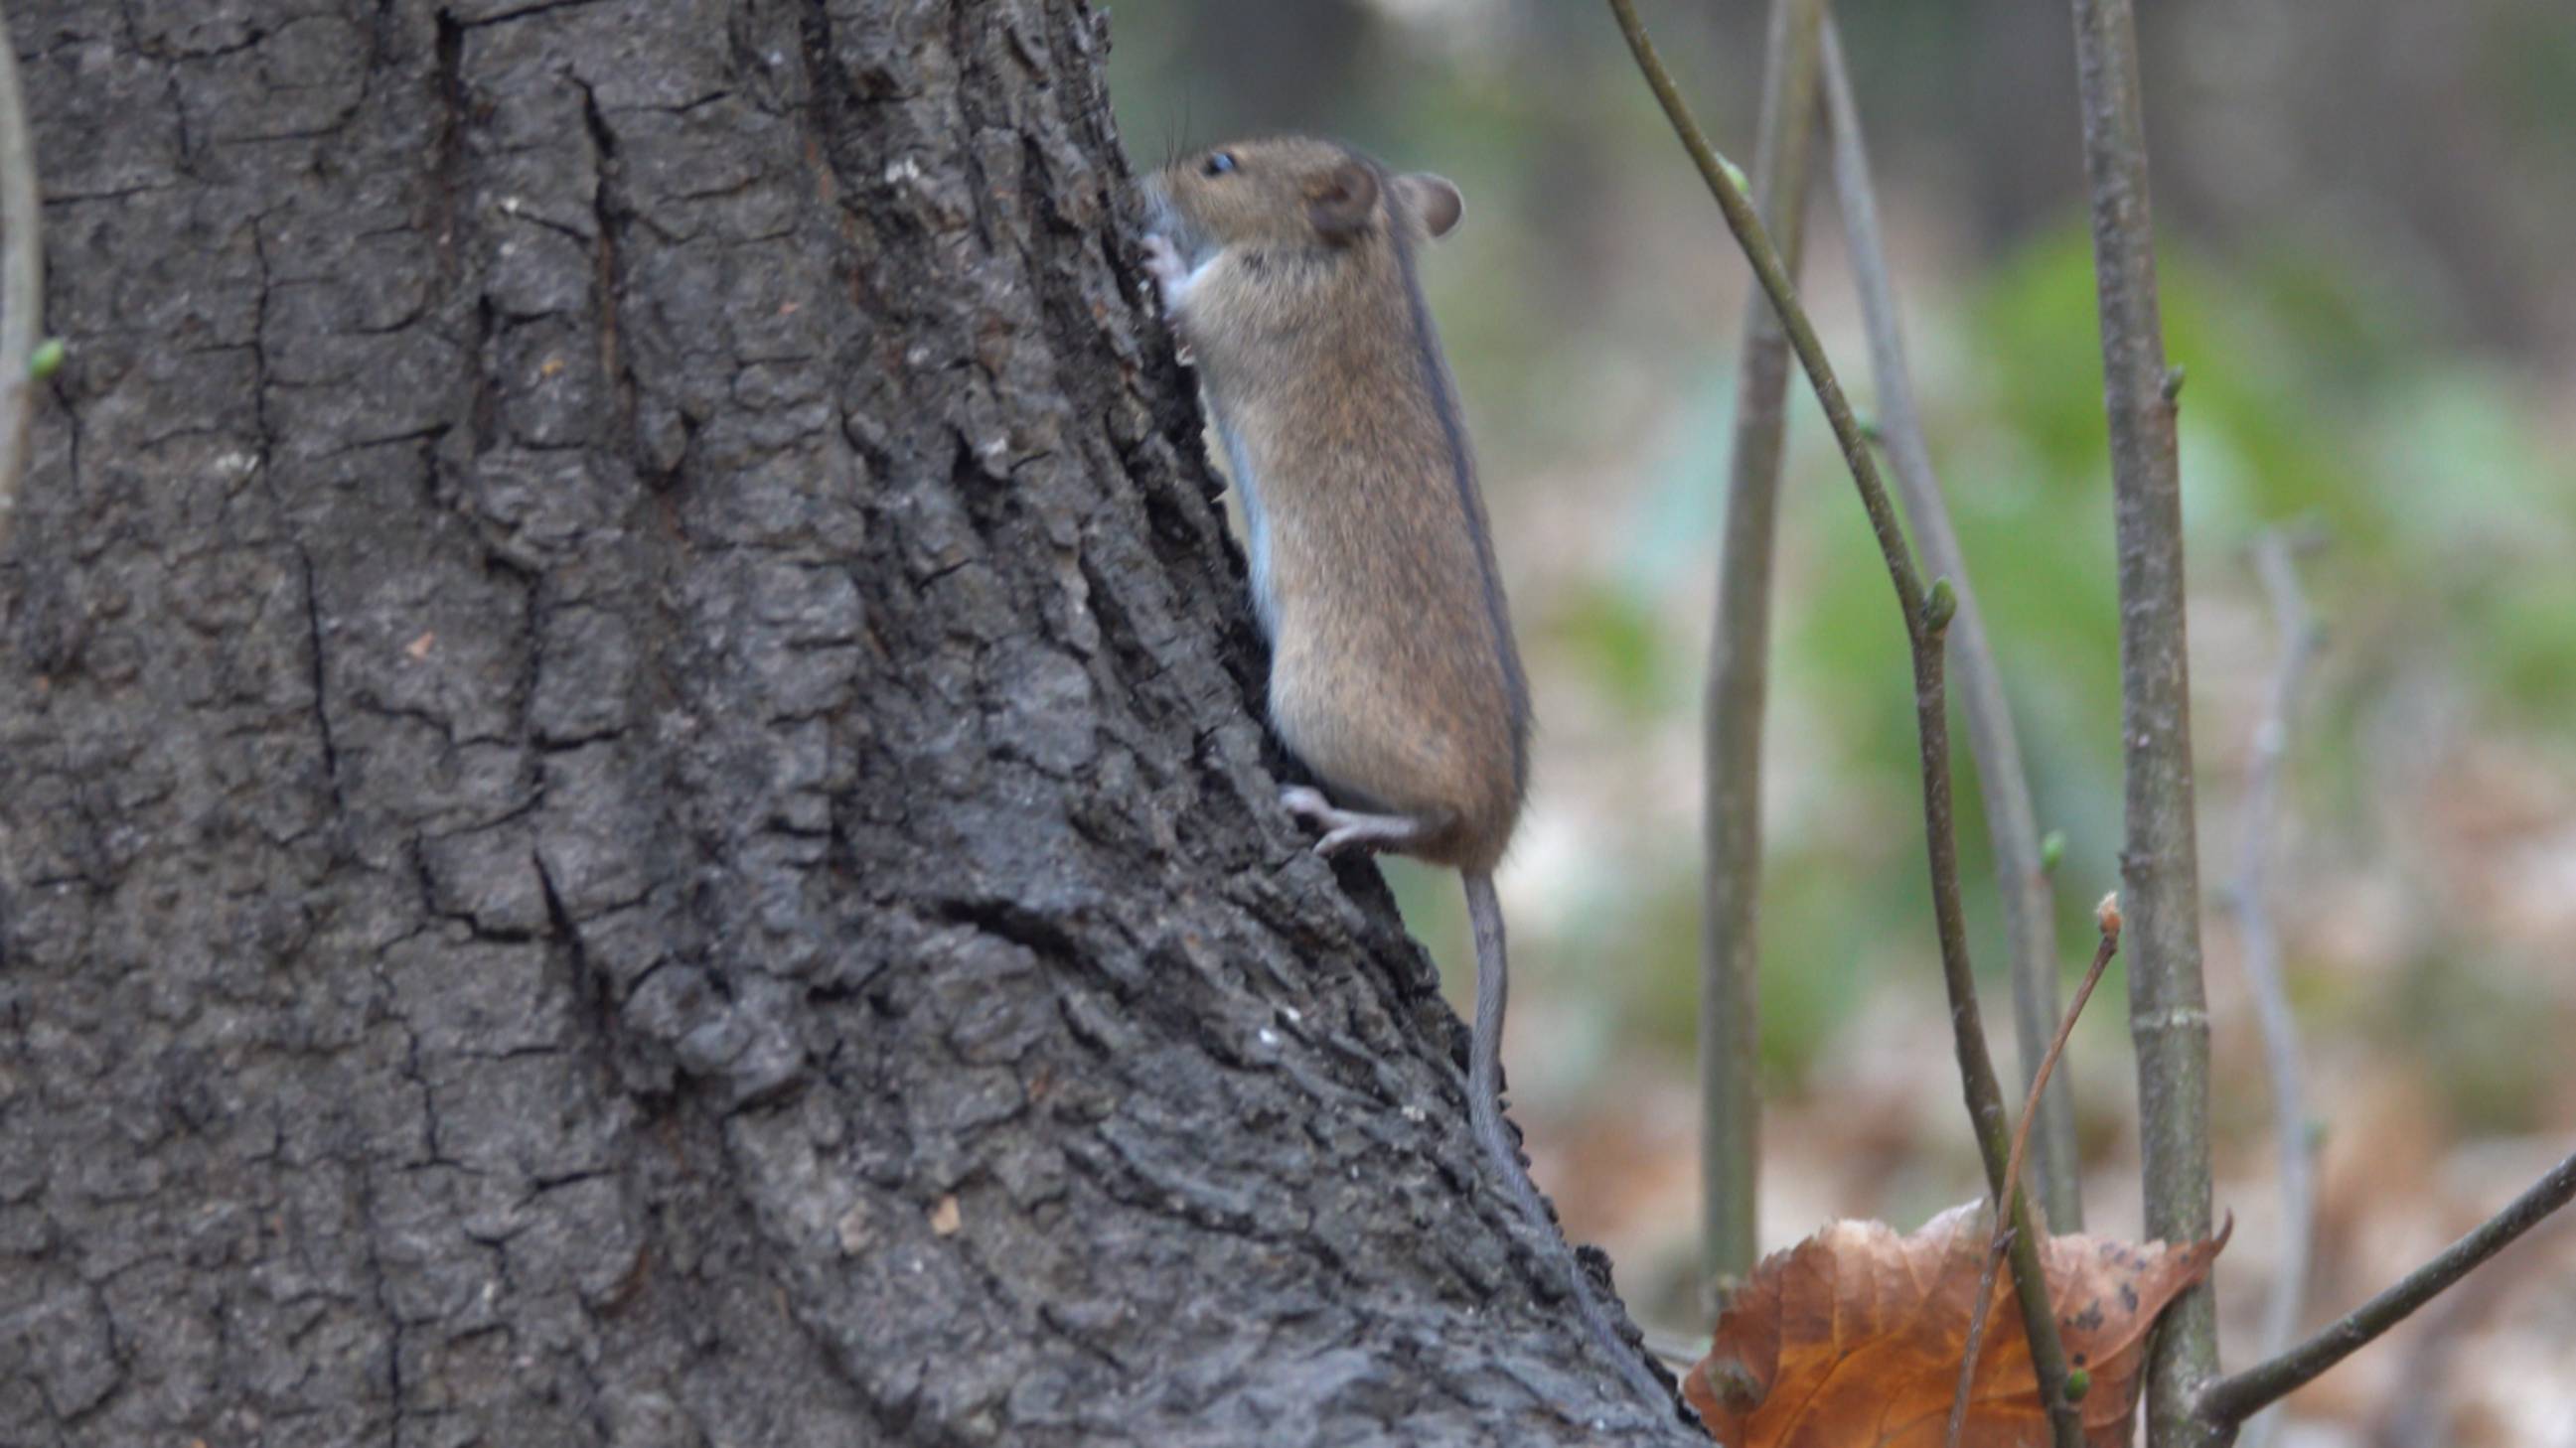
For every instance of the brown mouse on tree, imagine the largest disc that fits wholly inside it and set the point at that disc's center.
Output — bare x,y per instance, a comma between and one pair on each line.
1286,268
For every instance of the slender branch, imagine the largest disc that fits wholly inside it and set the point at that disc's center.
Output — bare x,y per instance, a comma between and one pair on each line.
1927,617
2300,639
2159,863
1977,1315
2107,916
2232,1400
2415,1411
2030,915
1739,668
22,282
1968,1032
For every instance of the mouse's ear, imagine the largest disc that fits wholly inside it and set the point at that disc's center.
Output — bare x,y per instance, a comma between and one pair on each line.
1340,201
1433,199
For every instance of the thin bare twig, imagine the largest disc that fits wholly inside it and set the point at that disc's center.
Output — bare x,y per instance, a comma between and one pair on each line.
1739,670
1977,1315
2300,639
2224,1404
2159,860
2021,881
1976,1343
22,282
2416,1411
1927,615
2107,917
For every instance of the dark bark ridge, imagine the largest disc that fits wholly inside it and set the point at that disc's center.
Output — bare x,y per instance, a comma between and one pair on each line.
628,804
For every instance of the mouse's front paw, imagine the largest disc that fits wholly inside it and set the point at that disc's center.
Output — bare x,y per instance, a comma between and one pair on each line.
1163,264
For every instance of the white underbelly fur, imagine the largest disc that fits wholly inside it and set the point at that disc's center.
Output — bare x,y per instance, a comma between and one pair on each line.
1256,530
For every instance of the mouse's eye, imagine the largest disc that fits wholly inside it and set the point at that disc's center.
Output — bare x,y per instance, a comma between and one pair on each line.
1218,163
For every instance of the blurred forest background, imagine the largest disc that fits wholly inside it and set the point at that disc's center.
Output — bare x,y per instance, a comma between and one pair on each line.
2368,213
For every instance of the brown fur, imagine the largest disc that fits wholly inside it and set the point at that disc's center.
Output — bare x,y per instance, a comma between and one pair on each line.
1393,674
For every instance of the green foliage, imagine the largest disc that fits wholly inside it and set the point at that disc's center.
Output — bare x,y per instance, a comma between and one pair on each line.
1812,979
1616,638
2311,398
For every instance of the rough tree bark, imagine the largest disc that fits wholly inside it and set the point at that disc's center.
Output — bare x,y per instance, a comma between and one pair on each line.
627,805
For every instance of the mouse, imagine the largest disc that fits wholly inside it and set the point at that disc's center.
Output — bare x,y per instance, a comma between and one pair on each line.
1285,267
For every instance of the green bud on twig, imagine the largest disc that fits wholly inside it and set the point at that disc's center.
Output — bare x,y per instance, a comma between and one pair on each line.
47,359
1940,604
2079,1381
1735,176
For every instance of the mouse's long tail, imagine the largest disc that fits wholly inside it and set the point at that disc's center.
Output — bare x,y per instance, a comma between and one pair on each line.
1485,1116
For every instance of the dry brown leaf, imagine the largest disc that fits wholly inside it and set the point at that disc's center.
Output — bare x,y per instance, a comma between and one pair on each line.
1852,1338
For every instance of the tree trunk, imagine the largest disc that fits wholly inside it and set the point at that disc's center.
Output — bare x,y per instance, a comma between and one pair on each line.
629,808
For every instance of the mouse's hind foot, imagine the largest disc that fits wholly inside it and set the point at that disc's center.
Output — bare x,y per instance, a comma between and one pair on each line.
1352,829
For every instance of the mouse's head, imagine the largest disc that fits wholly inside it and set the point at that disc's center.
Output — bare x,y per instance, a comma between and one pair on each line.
1286,191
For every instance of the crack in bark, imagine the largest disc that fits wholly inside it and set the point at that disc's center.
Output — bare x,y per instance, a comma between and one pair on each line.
607,221
542,7
448,168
